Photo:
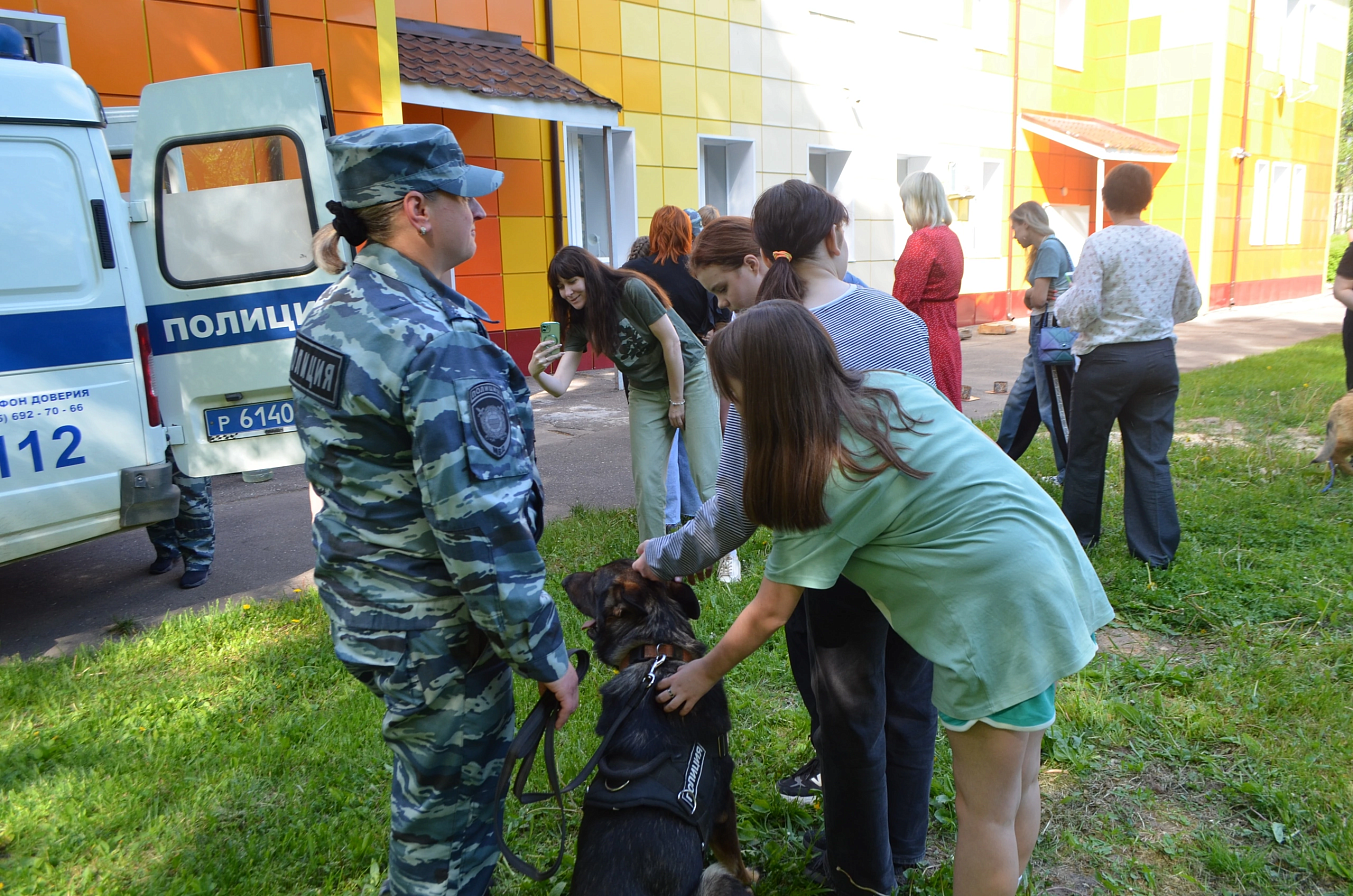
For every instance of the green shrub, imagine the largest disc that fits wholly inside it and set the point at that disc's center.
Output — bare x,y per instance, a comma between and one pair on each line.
1338,243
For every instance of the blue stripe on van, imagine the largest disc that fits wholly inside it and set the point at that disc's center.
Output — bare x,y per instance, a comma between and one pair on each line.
63,338
229,320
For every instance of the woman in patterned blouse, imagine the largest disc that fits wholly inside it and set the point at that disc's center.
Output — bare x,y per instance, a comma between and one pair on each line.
928,275
1133,284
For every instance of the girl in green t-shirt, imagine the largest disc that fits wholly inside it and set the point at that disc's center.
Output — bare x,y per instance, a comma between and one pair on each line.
876,476
626,317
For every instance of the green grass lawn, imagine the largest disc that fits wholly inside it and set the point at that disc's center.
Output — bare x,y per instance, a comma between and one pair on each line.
1208,751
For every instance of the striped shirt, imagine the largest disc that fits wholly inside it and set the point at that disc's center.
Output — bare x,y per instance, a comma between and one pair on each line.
872,331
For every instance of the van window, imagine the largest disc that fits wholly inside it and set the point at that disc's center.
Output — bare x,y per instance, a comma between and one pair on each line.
47,257
234,209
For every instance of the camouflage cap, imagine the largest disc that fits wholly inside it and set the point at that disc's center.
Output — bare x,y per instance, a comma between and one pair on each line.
381,164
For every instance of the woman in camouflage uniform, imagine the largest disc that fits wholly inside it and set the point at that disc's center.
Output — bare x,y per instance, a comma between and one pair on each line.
420,442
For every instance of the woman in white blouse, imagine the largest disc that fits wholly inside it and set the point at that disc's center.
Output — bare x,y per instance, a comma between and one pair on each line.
1133,284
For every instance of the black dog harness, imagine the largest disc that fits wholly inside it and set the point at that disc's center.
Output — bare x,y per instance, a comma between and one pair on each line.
689,776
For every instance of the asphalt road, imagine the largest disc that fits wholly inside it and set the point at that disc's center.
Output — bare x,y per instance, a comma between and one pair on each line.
52,603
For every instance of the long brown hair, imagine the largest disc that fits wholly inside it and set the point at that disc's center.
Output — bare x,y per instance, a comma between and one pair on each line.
669,234
792,218
600,317
724,243
794,396
1033,216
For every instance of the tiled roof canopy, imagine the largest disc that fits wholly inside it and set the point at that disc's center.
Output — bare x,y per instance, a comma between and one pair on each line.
487,63
1099,138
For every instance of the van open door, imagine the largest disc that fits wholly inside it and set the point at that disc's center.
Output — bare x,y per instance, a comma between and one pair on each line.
228,185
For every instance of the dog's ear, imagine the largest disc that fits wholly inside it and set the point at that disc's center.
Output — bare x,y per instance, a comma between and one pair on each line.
685,597
578,587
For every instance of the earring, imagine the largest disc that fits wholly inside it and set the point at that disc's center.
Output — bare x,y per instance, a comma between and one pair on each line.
423,230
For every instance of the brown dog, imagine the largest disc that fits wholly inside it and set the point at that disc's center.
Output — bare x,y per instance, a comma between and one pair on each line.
664,786
1338,439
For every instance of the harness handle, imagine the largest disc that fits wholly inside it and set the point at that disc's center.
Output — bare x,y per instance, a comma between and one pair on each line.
540,723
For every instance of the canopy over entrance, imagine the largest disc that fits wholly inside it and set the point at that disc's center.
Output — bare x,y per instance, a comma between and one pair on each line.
1102,139
488,71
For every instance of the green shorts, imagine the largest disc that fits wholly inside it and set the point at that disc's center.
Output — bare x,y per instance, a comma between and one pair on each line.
1035,714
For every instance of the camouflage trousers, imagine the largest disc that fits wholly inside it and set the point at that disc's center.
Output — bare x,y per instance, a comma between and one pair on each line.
448,722
192,533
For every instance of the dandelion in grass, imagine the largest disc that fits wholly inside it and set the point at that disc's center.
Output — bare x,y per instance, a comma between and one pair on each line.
245,607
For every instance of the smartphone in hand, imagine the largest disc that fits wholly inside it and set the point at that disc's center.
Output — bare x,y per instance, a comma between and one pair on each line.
549,332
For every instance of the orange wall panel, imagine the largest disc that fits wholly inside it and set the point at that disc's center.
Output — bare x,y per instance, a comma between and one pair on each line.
188,40
355,121
488,256
514,17
310,9
300,40
485,291
474,130
355,77
422,10
522,193
21,5
354,12
92,29
463,13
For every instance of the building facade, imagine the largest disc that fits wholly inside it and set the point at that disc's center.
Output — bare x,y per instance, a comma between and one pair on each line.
1233,104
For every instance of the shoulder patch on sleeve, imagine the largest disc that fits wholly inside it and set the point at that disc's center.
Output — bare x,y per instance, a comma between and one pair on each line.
489,418
318,371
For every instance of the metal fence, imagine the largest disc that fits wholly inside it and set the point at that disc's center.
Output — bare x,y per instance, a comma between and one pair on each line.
1343,213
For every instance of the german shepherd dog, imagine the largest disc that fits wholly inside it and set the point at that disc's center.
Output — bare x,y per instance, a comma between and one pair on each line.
1338,439
641,850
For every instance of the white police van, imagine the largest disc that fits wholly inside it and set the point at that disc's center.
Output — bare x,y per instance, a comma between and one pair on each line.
167,315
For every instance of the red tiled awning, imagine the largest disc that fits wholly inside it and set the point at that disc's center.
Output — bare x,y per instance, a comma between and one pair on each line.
1099,138
488,71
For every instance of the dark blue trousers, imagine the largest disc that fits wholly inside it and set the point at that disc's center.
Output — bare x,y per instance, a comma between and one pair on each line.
875,738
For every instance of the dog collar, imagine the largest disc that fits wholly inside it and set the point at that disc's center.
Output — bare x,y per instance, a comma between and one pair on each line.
652,651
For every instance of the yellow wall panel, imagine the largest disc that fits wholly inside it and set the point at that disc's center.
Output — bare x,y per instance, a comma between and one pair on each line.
601,72
643,84
746,12
639,30
678,142
1141,105
711,91
680,187
599,26
714,127
744,98
676,36
1144,35
516,138
678,5
715,9
1110,39
678,89
524,248
565,24
649,190
647,137
526,301
711,43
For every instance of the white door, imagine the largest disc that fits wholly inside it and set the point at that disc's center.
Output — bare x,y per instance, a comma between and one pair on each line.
229,176
1071,223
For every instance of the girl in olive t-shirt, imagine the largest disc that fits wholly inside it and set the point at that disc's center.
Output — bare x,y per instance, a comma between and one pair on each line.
626,317
877,477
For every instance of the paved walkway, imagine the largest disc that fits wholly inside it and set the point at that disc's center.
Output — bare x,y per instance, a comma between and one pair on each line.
51,604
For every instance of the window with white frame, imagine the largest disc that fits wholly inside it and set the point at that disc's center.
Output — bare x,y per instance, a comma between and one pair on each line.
1285,34
826,165
44,36
602,189
1068,43
1277,203
991,25
727,174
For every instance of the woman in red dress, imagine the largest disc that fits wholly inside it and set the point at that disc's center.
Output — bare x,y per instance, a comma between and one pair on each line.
928,275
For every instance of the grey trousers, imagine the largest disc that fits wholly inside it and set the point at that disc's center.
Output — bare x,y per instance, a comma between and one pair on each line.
1135,383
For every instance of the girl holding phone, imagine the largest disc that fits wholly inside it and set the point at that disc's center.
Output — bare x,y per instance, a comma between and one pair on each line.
884,481
629,319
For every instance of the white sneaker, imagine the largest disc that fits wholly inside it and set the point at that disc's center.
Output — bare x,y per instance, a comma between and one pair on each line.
730,568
